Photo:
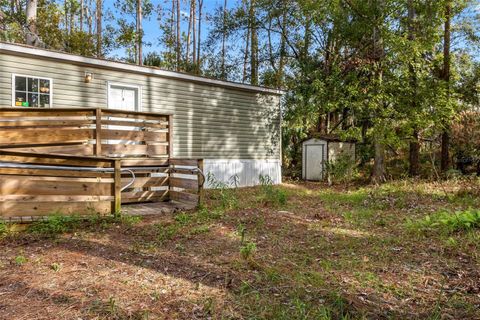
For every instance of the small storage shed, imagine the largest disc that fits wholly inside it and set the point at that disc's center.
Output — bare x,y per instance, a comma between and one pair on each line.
316,152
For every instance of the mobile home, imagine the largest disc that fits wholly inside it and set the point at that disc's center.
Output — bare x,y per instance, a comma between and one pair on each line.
234,127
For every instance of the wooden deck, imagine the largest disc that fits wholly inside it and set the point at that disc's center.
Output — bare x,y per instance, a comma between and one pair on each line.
89,161
155,208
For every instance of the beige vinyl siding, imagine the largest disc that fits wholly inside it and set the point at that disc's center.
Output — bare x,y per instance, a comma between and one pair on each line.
210,122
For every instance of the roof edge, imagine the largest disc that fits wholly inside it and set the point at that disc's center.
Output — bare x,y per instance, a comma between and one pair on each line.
19,49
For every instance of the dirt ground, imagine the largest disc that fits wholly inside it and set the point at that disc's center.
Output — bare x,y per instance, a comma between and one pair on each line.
298,251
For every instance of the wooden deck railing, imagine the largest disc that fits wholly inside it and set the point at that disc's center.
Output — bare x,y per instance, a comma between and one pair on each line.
82,161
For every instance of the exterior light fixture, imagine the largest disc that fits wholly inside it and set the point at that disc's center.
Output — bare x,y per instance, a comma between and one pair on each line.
88,77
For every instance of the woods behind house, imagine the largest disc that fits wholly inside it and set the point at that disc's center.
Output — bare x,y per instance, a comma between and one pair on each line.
401,77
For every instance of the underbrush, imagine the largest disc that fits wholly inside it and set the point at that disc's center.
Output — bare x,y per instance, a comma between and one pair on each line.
56,224
270,194
3,229
447,222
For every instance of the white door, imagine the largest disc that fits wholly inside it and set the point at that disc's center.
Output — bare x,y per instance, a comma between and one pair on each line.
123,98
314,156
126,98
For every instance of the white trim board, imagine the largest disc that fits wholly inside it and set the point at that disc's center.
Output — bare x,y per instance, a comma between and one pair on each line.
17,49
247,170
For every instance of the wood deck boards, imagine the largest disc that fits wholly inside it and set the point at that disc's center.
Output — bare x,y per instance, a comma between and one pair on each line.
156,208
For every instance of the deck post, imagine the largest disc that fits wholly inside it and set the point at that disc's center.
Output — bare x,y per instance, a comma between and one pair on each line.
98,132
170,136
200,183
117,187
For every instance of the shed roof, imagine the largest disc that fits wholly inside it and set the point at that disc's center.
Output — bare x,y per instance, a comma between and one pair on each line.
329,138
23,50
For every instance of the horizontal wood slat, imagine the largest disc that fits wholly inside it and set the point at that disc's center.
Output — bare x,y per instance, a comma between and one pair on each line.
19,209
134,115
30,113
145,124
44,136
184,183
184,162
53,198
40,159
133,149
134,135
56,173
85,150
136,162
25,186
21,124
183,196
144,196
146,182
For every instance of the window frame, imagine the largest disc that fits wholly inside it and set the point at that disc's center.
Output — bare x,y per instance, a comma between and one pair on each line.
14,75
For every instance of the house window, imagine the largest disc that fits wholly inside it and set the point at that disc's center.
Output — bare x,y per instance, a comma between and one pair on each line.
31,91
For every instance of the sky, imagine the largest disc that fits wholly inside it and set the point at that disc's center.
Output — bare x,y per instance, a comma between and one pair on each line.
150,25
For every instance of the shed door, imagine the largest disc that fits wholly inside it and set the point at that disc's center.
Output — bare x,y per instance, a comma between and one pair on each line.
314,155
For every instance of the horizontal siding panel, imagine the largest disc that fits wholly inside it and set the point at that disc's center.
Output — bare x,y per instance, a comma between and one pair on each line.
41,67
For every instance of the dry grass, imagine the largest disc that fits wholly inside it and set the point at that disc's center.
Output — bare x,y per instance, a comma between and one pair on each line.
328,253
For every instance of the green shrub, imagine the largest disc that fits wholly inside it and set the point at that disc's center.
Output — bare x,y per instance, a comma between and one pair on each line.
20,260
341,170
3,229
166,232
183,219
270,194
54,225
247,250
225,192
447,222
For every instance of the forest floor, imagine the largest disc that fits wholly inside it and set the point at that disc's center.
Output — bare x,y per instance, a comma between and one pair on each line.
297,251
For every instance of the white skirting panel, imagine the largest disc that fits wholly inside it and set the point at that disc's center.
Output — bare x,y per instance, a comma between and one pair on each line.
246,171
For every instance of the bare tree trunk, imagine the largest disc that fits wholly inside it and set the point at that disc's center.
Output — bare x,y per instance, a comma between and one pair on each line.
224,39
194,32
66,10
82,9
199,38
99,28
12,7
445,157
178,43
378,174
414,149
245,55
139,33
254,44
189,33
283,50
31,13
89,18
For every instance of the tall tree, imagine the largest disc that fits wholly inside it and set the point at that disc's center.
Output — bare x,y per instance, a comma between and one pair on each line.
31,15
179,40
194,31
199,37
224,39
99,17
414,150
252,21
445,157
139,43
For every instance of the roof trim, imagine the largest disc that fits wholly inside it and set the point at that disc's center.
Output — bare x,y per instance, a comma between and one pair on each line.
18,49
